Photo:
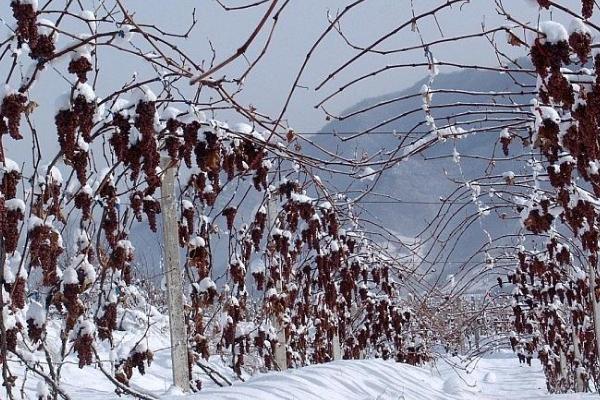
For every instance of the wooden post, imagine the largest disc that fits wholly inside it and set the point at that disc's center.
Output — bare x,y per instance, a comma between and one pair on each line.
595,305
280,356
477,321
179,351
579,384
337,347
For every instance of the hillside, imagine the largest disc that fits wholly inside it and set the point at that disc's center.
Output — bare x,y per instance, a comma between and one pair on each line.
420,181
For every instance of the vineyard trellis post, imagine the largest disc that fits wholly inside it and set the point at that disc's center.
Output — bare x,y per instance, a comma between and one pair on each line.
280,352
179,352
595,306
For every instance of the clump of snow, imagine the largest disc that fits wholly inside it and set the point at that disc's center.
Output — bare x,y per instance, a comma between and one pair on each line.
547,113
54,176
434,68
197,242
193,115
86,91
36,313
35,221
508,175
8,275
451,131
15,205
246,129
334,246
126,245
242,128
554,32
15,267
325,205
85,327
100,112
426,93
82,240
148,93
455,155
578,26
83,46
10,322
82,144
90,18
120,106
69,276
11,166
205,285
302,198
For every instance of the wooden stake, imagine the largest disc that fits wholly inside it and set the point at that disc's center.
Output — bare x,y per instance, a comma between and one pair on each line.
179,351
280,356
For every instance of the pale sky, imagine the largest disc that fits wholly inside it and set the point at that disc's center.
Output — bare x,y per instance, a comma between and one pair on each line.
304,20
299,26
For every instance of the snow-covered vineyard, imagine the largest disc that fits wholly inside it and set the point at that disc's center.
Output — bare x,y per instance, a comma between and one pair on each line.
284,199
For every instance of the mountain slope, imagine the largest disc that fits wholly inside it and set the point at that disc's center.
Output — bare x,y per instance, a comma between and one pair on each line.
421,181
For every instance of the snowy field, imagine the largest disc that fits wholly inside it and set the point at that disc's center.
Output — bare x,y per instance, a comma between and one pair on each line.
495,377
498,377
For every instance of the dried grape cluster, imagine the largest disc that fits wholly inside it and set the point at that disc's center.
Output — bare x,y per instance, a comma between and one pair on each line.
40,40
80,66
25,15
11,110
137,359
74,127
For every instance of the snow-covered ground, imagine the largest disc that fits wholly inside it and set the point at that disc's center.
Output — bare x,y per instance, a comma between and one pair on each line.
498,376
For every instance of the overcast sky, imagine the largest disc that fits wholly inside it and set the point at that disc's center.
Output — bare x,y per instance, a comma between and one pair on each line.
300,25
304,20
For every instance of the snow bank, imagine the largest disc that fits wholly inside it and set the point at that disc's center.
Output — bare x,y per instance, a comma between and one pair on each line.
498,376
348,380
